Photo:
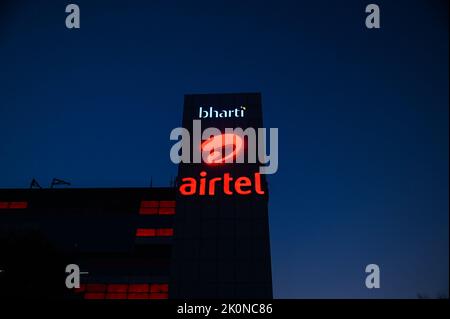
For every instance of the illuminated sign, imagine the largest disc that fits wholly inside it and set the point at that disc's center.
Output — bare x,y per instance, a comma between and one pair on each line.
231,139
230,143
212,154
211,112
242,185
214,146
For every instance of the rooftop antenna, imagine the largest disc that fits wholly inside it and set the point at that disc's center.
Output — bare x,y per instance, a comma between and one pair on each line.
57,181
34,184
173,181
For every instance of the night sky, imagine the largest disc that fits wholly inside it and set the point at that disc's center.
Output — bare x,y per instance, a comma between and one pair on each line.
363,118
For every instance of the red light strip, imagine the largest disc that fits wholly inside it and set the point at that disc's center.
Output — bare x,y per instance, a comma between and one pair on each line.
138,296
148,211
167,211
154,232
122,296
116,296
139,288
13,205
167,203
145,232
124,291
159,296
164,232
149,203
117,288
152,207
94,295
157,288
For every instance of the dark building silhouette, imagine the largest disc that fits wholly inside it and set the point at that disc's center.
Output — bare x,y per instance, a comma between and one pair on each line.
221,245
144,243
122,237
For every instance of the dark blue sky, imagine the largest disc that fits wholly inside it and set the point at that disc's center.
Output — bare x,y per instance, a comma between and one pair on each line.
362,115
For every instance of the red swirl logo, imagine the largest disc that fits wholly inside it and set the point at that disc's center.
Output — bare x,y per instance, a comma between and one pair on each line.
217,147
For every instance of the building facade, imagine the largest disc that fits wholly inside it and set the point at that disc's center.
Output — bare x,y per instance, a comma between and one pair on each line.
148,243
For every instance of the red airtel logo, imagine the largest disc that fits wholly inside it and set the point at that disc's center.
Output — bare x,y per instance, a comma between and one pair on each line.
217,146
220,149
242,185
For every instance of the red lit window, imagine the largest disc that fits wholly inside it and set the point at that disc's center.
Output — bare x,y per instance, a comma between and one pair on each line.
116,296
164,232
157,288
145,232
167,203
152,232
149,203
164,287
159,296
138,296
167,211
116,288
124,291
139,288
18,205
94,295
153,207
148,211
13,205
